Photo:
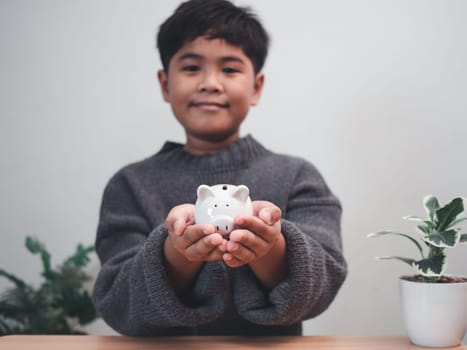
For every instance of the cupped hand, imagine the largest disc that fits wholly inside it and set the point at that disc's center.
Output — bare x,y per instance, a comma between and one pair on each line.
255,235
194,242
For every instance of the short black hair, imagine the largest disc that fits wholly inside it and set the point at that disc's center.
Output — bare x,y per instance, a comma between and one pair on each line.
215,19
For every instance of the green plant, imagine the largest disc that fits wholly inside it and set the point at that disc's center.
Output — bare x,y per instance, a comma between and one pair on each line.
57,306
439,231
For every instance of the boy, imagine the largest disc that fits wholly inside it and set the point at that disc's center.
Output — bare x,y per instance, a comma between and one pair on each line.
162,274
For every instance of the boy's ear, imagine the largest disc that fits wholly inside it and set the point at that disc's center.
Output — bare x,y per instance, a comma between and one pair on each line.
164,84
258,88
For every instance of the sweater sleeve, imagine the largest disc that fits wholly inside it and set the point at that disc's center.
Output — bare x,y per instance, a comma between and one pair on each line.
316,265
132,292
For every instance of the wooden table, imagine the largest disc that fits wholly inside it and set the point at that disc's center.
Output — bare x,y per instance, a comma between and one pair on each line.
51,342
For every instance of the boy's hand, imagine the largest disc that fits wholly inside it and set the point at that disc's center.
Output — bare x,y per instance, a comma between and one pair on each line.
195,243
256,235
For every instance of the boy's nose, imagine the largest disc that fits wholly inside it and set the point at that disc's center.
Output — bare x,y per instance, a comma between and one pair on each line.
210,83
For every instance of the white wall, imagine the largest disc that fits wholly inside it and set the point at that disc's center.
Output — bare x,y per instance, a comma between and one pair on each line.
373,92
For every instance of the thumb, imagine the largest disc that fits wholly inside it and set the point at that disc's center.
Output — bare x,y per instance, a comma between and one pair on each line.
270,215
179,227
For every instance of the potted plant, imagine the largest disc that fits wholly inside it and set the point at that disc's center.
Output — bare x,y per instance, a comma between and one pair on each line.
434,305
60,305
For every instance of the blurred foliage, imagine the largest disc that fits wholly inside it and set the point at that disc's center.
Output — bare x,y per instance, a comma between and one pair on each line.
60,305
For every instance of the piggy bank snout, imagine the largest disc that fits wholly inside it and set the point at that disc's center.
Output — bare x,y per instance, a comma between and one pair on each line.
223,224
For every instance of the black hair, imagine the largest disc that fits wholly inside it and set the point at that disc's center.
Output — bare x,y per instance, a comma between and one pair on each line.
215,19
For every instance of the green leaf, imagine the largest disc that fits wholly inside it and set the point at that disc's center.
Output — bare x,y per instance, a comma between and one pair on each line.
36,247
446,215
445,239
423,229
383,233
10,327
81,257
405,260
431,204
413,218
82,308
17,281
431,267
455,222
463,238
61,296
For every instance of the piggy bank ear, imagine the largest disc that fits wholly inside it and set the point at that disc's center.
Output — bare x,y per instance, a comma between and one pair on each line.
241,193
204,192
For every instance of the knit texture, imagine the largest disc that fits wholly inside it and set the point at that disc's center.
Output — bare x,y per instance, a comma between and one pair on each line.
132,292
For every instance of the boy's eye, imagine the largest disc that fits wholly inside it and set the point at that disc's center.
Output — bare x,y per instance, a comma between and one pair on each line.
190,68
230,70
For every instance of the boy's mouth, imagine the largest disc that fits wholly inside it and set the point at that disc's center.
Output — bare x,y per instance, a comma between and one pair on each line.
209,105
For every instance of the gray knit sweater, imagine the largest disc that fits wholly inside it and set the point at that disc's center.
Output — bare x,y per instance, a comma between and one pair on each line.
132,292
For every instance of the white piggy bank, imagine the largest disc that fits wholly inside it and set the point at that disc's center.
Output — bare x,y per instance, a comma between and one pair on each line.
219,205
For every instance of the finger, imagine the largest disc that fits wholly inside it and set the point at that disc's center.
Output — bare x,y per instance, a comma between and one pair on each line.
256,226
232,261
204,246
200,230
270,215
180,217
207,229
223,246
241,252
193,234
179,227
267,211
216,253
247,240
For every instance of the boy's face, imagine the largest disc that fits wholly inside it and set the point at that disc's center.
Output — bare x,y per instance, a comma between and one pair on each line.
210,85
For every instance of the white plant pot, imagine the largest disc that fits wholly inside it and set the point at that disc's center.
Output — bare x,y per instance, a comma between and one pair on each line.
435,314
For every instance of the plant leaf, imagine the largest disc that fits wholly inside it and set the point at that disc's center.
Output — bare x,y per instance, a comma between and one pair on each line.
455,222
383,233
10,327
423,229
463,238
445,239
81,256
431,204
80,305
405,260
413,218
17,281
431,267
60,297
36,247
446,215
